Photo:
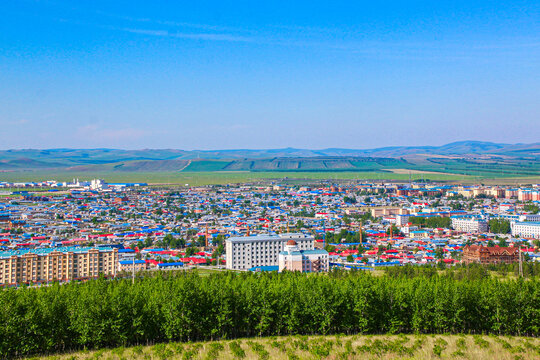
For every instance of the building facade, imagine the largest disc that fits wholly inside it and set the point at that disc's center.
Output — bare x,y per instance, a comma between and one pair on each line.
489,255
129,265
56,264
469,224
294,259
526,229
246,252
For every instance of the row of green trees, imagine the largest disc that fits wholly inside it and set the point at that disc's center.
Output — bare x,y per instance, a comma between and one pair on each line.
432,222
188,307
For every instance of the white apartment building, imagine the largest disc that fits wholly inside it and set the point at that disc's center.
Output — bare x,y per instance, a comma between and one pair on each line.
246,252
530,217
526,229
469,224
402,220
294,259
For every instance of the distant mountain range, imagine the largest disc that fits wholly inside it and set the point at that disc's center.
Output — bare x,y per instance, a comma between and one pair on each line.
443,158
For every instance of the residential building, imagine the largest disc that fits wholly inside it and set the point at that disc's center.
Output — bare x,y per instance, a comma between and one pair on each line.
246,252
402,220
294,259
61,264
129,265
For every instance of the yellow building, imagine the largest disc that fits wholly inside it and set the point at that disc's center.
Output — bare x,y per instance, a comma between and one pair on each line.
56,264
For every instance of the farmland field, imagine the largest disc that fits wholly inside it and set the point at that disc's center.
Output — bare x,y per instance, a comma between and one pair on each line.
197,178
219,177
476,347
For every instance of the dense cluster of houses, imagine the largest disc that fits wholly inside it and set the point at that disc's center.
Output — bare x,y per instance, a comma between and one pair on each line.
358,224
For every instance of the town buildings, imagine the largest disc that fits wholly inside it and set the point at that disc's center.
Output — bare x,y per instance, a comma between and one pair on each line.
56,264
131,265
294,259
490,255
526,229
469,224
246,252
204,226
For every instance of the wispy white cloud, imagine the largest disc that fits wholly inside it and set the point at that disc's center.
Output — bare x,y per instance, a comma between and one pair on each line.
193,36
100,133
208,27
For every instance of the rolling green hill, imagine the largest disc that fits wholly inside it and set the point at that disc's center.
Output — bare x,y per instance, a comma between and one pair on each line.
473,158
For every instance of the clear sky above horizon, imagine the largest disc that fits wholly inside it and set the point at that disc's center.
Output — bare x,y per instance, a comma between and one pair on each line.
267,74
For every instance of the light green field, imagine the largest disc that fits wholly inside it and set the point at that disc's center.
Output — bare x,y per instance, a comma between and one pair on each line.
196,178
332,347
219,177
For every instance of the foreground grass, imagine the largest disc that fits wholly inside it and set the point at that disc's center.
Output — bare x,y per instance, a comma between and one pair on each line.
475,347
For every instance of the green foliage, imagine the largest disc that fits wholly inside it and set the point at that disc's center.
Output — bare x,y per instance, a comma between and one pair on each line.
187,307
499,226
534,209
237,350
431,222
481,342
213,353
259,349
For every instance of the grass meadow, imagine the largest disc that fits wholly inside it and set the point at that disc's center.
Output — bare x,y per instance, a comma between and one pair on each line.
475,347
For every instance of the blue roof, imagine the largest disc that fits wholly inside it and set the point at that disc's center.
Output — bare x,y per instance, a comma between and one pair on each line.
265,268
178,263
125,251
130,262
45,251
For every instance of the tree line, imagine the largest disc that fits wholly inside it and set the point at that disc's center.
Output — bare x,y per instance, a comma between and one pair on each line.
188,307
432,222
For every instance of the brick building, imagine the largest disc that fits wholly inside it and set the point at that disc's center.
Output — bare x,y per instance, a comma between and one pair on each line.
490,255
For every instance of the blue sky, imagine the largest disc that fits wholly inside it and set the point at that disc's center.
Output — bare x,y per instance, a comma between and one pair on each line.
267,74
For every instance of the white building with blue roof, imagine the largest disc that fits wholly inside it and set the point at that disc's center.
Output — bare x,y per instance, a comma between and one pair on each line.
526,229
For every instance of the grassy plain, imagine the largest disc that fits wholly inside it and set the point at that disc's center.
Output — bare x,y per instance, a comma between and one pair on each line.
331,347
197,178
219,177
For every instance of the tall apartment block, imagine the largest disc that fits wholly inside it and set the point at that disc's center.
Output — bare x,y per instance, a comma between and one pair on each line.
56,264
